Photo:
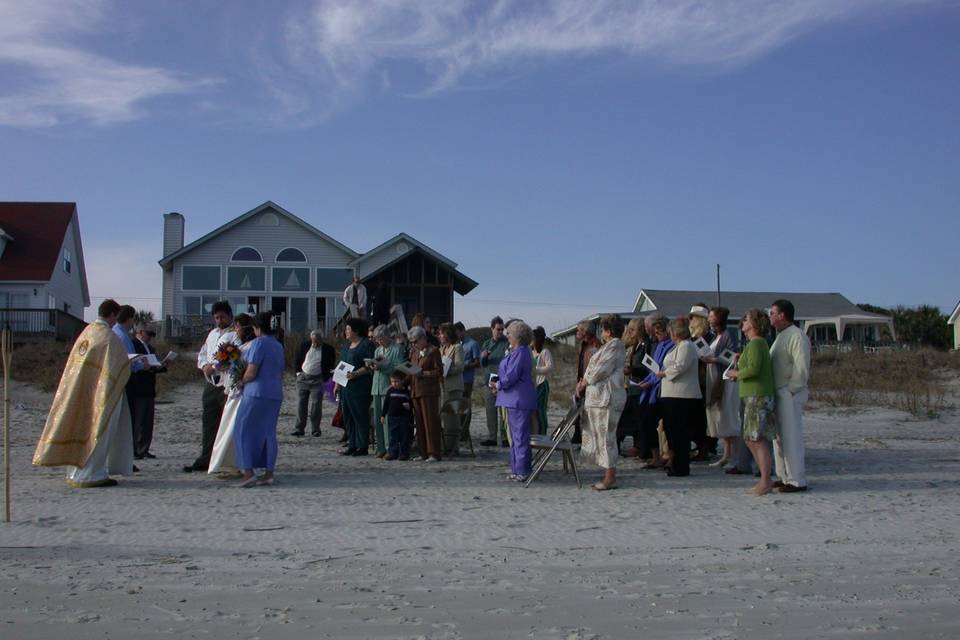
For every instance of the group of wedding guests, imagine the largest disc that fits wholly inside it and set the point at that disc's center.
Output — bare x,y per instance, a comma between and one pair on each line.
673,386
694,397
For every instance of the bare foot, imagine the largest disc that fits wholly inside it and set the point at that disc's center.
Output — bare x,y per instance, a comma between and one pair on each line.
761,488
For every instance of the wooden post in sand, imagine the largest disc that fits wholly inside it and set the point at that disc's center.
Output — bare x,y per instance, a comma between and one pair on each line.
6,353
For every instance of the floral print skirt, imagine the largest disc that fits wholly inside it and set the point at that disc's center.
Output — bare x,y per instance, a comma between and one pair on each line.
759,418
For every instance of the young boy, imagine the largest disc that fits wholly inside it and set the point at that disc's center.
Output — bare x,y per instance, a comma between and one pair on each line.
396,416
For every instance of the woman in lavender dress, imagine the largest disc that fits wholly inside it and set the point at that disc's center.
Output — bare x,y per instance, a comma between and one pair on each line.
517,394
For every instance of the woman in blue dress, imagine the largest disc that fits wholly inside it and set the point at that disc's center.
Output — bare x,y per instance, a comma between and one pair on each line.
256,424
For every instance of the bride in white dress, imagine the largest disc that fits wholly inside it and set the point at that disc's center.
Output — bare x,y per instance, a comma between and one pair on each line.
222,460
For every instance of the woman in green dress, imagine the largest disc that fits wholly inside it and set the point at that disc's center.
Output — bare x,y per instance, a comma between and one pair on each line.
355,396
754,370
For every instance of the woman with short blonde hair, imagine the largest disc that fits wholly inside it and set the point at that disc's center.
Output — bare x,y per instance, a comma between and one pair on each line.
680,395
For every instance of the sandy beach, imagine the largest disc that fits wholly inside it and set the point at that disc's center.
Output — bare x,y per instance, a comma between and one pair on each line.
361,548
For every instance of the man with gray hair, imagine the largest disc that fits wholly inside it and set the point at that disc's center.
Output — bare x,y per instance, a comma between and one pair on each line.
315,362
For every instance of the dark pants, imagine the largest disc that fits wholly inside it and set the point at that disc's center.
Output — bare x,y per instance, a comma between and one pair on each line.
141,414
399,436
678,416
213,400
356,419
649,419
429,433
309,388
629,425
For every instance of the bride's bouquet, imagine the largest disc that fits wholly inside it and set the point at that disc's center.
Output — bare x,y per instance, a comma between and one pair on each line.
229,360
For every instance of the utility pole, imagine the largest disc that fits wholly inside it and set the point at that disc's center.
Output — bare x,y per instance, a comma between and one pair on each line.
718,285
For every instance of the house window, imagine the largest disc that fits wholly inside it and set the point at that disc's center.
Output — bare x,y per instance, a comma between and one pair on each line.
291,279
333,279
66,308
67,261
51,302
246,254
201,278
246,279
291,255
199,305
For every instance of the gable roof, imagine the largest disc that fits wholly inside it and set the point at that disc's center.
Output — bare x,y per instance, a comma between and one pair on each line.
955,316
268,205
35,233
461,283
808,305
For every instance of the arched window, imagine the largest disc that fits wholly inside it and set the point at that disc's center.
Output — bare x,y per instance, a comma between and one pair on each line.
291,255
269,220
247,254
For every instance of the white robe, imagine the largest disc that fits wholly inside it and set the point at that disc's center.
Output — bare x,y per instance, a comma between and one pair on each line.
114,451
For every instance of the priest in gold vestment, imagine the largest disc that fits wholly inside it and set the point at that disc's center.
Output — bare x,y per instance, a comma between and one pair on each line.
88,429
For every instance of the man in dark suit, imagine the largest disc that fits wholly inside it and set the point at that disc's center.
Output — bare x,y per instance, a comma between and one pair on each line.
142,393
315,362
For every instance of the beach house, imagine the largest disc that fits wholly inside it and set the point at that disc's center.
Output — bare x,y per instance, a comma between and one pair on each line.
268,259
43,279
828,318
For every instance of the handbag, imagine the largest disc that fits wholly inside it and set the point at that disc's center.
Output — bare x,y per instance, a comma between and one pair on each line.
338,418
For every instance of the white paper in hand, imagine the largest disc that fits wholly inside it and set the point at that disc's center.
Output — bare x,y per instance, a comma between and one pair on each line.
651,364
733,365
703,349
152,360
726,356
340,373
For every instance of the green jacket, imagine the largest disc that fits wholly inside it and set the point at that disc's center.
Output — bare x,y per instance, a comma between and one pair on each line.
755,370
390,358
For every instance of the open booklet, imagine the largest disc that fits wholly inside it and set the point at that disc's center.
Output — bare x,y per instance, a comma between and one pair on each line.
651,364
407,368
730,367
340,373
150,359
703,348
726,356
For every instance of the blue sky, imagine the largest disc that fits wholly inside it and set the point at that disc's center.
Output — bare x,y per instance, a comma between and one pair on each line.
565,154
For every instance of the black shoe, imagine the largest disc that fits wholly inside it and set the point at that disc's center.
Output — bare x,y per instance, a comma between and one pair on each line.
677,474
316,434
190,468
360,452
139,457
136,469
149,455
488,443
297,433
792,488
348,452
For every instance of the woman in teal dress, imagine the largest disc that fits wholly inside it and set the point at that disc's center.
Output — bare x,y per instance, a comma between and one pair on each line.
755,372
356,396
387,356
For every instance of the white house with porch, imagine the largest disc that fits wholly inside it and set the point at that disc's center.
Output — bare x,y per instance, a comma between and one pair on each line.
823,316
268,259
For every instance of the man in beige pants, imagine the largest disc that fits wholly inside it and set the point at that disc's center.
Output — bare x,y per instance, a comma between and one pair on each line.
790,355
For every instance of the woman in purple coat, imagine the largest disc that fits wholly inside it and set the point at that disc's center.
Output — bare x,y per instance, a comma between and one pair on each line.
517,394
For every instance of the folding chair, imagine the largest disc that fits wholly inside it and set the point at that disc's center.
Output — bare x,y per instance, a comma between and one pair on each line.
459,408
557,441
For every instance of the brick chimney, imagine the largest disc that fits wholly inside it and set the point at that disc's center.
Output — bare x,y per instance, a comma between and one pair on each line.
173,225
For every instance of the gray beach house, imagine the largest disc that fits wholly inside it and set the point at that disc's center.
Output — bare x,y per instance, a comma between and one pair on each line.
268,259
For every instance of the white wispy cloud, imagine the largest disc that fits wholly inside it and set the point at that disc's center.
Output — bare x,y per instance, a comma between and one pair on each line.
348,46
59,80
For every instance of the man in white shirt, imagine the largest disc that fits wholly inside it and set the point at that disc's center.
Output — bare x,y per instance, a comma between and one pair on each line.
790,355
355,298
213,394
